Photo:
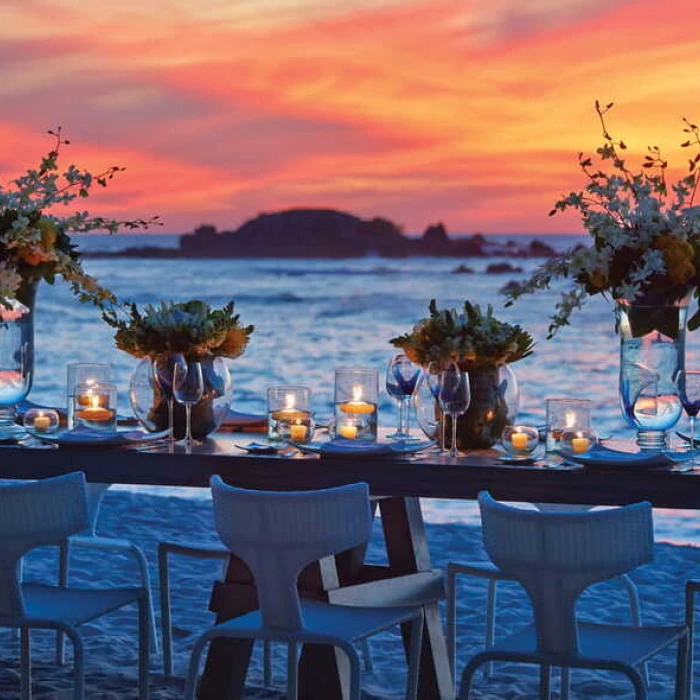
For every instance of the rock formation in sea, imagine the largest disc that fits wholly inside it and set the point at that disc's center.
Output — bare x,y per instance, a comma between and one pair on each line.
326,233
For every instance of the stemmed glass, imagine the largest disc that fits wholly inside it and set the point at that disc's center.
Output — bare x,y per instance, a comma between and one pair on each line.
401,378
188,387
433,377
454,397
163,376
688,383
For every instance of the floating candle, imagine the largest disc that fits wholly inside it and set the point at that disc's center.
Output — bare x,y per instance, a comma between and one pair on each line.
348,431
95,413
357,406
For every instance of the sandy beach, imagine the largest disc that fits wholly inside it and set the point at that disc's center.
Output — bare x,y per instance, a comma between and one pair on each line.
146,519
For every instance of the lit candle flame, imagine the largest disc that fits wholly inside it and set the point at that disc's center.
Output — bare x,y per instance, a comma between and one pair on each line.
570,419
357,393
95,401
290,401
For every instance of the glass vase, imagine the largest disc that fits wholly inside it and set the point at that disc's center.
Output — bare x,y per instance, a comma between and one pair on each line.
16,358
494,405
150,391
652,351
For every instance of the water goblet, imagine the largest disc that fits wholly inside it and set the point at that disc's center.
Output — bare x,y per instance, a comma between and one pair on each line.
188,387
454,397
688,383
401,378
433,377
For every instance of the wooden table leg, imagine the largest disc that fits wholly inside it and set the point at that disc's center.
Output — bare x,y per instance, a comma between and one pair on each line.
407,549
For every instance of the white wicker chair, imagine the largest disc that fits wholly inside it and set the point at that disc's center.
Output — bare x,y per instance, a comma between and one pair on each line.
46,513
277,534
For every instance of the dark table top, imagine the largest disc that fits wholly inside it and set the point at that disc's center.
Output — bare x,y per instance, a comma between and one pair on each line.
427,476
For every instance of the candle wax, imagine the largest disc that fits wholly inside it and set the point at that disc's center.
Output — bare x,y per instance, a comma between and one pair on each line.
357,407
42,423
580,444
519,441
347,431
297,433
95,413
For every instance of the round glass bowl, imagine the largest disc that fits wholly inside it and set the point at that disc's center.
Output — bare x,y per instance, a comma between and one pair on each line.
520,440
578,442
41,421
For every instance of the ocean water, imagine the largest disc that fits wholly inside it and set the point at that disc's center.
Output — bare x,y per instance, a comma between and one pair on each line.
312,316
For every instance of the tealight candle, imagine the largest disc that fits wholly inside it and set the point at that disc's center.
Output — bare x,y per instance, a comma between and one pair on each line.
580,444
41,420
42,423
349,432
298,432
519,441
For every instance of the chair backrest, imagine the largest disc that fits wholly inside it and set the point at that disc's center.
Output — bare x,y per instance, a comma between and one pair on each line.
555,556
277,534
31,515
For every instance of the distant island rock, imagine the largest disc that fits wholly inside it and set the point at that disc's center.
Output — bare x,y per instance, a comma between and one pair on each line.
501,268
326,233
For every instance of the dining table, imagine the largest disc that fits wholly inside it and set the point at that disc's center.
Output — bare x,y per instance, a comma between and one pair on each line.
396,484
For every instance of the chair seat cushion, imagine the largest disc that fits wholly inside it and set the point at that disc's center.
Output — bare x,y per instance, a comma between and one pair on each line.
617,643
345,622
74,606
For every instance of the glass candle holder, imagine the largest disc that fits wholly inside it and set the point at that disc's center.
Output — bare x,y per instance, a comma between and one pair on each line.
289,415
520,440
355,399
565,415
95,406
41,421
578,441
83,373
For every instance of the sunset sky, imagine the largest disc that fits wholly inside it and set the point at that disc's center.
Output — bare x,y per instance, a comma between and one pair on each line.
460,111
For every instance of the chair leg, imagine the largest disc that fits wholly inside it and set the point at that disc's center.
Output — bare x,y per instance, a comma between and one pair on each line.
63,562
146,583
640,690
166,628
545,682
635,616
682,690
414,658
25,660
267,663
490,623
145,618
468,675
78,664
193,668
451,621
292,672
564,683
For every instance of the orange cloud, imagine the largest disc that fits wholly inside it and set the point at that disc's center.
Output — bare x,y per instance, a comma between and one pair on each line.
420,111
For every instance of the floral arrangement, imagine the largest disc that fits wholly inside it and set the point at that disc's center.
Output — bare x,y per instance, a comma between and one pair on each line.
646,234
192,328
471,337
34,240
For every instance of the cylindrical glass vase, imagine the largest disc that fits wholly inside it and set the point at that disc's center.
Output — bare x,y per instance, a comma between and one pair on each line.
356,397
652,351
289,415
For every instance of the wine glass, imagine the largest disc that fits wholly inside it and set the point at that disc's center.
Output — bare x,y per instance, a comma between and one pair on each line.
401,378
188,387
688,383
454,397
433,377
163,369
